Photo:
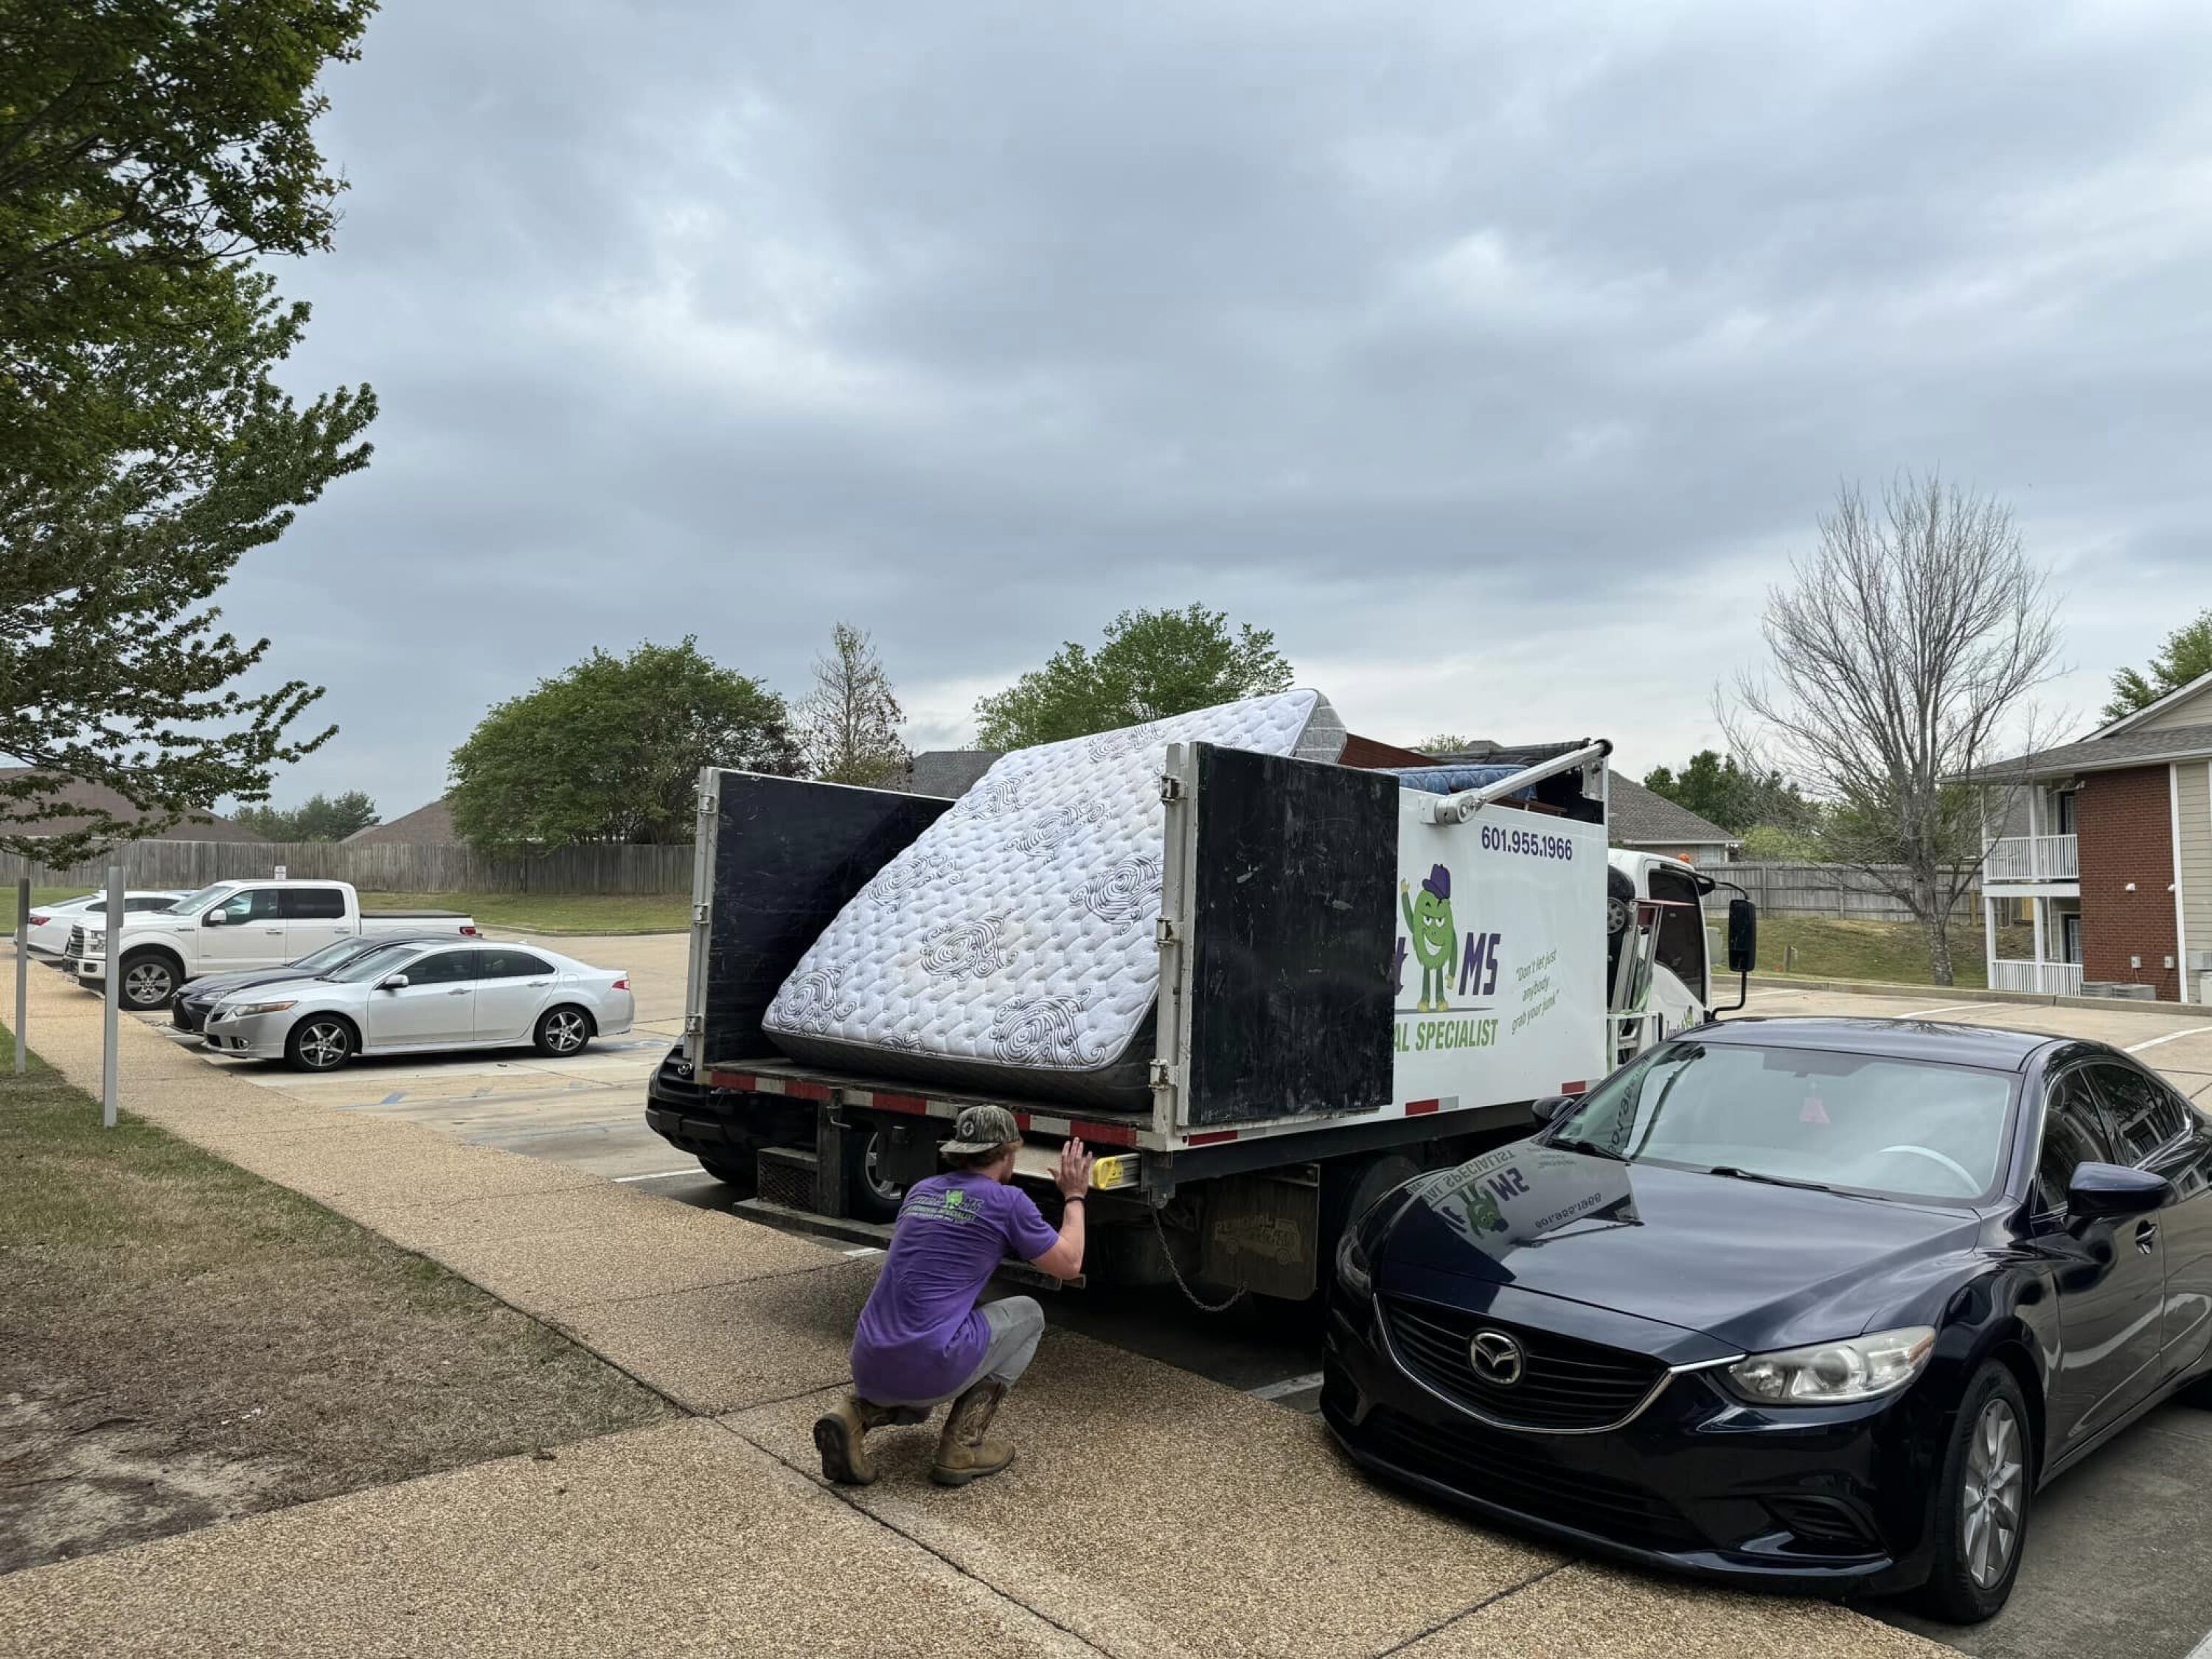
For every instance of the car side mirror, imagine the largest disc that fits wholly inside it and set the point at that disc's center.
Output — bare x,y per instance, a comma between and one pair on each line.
392,982
2111,1189
215,918
1742,936
1548,1107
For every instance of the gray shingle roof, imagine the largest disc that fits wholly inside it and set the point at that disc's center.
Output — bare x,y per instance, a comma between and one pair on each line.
2106,754
1641,819
426,826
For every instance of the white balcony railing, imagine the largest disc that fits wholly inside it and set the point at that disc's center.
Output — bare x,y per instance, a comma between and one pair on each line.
2045,979
2033,858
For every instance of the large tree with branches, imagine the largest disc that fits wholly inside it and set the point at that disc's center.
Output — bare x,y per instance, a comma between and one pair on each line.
152,152
849,723
1905,650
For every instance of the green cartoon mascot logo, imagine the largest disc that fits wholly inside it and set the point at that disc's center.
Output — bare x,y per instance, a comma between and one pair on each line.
1481,1210
1429,923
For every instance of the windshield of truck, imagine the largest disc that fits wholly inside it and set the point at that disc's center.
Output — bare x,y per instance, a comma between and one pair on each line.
192,903
1862,1124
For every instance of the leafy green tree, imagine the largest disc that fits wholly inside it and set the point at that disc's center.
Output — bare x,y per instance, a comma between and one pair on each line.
2185,656
1150,664
318,817
1721,791
1774,843
849,722
611,751
1444,743
152,155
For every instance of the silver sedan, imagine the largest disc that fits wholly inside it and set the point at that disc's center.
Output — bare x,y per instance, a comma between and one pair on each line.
421,1000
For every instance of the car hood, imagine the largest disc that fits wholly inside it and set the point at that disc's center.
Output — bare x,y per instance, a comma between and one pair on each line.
221,985
1752,1265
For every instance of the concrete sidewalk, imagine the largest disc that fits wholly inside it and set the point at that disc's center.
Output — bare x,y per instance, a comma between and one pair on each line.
1151,1513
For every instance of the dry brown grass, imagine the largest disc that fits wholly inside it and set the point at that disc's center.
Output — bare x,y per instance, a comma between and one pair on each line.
181,1342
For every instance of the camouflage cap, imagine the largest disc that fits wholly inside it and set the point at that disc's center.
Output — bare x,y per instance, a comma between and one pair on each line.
982,1129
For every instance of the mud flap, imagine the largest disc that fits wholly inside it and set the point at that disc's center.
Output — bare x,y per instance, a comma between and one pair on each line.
1262,1233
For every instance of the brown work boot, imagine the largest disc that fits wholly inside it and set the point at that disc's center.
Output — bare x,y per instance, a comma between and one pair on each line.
963,1452
840,1437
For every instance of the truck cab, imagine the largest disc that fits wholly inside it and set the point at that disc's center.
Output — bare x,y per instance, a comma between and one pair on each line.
1660,972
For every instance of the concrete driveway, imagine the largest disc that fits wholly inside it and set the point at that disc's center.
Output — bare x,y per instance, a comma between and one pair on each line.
2113,1557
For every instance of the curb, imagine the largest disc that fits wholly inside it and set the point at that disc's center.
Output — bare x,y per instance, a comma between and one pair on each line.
1876,987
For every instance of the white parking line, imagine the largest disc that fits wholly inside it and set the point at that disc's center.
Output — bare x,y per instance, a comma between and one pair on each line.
2170,1036
663,1176
1948,1008
2203,1650
1289,1385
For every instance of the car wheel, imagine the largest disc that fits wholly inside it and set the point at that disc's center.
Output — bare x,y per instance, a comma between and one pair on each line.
742,1175
320,1042
1981,1501
871,1195
563,1030
148,981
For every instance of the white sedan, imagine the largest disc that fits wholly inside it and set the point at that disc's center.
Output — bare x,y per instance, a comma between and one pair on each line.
415,999
51,923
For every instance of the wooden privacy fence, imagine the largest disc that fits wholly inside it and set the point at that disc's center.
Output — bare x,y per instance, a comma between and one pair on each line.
1816,890
386,867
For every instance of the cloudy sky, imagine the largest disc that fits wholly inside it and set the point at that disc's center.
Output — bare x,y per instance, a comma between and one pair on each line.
1497,357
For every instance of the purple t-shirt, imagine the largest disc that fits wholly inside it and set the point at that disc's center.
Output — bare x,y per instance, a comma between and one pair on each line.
921,1333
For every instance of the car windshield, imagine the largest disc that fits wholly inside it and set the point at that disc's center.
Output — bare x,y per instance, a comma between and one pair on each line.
375,965
1867,1123
192,903
333,954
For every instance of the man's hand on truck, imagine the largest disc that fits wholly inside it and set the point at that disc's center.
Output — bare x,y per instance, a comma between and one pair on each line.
1072,1176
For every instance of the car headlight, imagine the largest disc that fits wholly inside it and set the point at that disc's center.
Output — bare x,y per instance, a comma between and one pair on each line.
241,1010
1835,1373
1353,1270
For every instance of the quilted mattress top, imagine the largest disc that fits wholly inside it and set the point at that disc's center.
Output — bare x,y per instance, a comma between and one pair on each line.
1017,930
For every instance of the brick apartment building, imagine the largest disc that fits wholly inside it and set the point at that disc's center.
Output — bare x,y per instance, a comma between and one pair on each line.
2107,855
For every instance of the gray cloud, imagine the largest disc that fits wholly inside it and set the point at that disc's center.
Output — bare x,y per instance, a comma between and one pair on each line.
1496,361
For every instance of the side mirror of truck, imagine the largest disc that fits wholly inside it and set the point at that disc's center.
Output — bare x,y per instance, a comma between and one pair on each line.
1742,936
1548,1107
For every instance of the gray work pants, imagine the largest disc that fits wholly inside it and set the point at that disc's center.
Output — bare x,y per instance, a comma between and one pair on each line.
1016,1324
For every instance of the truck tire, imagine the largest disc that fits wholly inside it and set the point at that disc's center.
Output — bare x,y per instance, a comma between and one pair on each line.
869,1195
1349,1188
150,979
563,1030
736,1171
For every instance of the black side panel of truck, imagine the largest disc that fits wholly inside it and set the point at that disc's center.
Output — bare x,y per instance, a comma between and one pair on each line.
1293,927
788,856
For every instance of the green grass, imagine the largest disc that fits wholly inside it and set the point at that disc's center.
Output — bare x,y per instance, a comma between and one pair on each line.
554,913
185,1342
1822,947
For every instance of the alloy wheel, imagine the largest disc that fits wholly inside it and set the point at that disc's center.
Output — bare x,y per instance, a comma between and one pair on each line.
1992,1495
564,1031
147,984
323,1045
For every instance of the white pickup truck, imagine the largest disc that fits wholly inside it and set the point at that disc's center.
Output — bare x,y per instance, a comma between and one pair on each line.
234,926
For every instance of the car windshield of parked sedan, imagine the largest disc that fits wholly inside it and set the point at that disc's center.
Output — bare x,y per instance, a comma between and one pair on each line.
336,954
1867,1123
375,965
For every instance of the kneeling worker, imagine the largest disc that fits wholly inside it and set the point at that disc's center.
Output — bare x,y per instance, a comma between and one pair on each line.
922,1339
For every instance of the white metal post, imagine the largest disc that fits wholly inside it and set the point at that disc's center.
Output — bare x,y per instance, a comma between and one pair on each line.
112,1012
1990,939
2035,906
23,971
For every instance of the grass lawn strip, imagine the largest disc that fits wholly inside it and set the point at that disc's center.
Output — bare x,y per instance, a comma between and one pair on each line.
182,1343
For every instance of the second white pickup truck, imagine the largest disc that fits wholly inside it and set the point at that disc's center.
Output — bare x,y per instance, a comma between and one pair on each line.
234,926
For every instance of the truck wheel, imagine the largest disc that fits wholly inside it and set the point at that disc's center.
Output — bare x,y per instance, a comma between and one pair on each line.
148,981
320,1042
1349,1188
563,1030
741,1174
871,1194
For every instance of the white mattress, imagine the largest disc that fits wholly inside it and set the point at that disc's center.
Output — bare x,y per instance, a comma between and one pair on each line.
1011,946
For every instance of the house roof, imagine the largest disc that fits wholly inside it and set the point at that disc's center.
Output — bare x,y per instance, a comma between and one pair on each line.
2179,694
947,774
433,823
2111,753
1637,816
71,809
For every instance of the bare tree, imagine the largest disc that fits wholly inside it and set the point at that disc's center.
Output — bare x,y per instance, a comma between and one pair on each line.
849,722
1906,648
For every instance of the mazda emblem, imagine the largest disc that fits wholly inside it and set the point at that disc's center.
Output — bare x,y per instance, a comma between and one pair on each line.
1497,1358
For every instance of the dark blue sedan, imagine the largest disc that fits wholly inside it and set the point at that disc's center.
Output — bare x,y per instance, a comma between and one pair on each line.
1820,1303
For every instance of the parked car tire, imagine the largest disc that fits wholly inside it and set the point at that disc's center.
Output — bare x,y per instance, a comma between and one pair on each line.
150,979
1983,1491
739,1174
563,1030
869,1195
320,1042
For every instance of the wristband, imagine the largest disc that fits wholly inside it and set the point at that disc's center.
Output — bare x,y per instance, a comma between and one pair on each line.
1072,1198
